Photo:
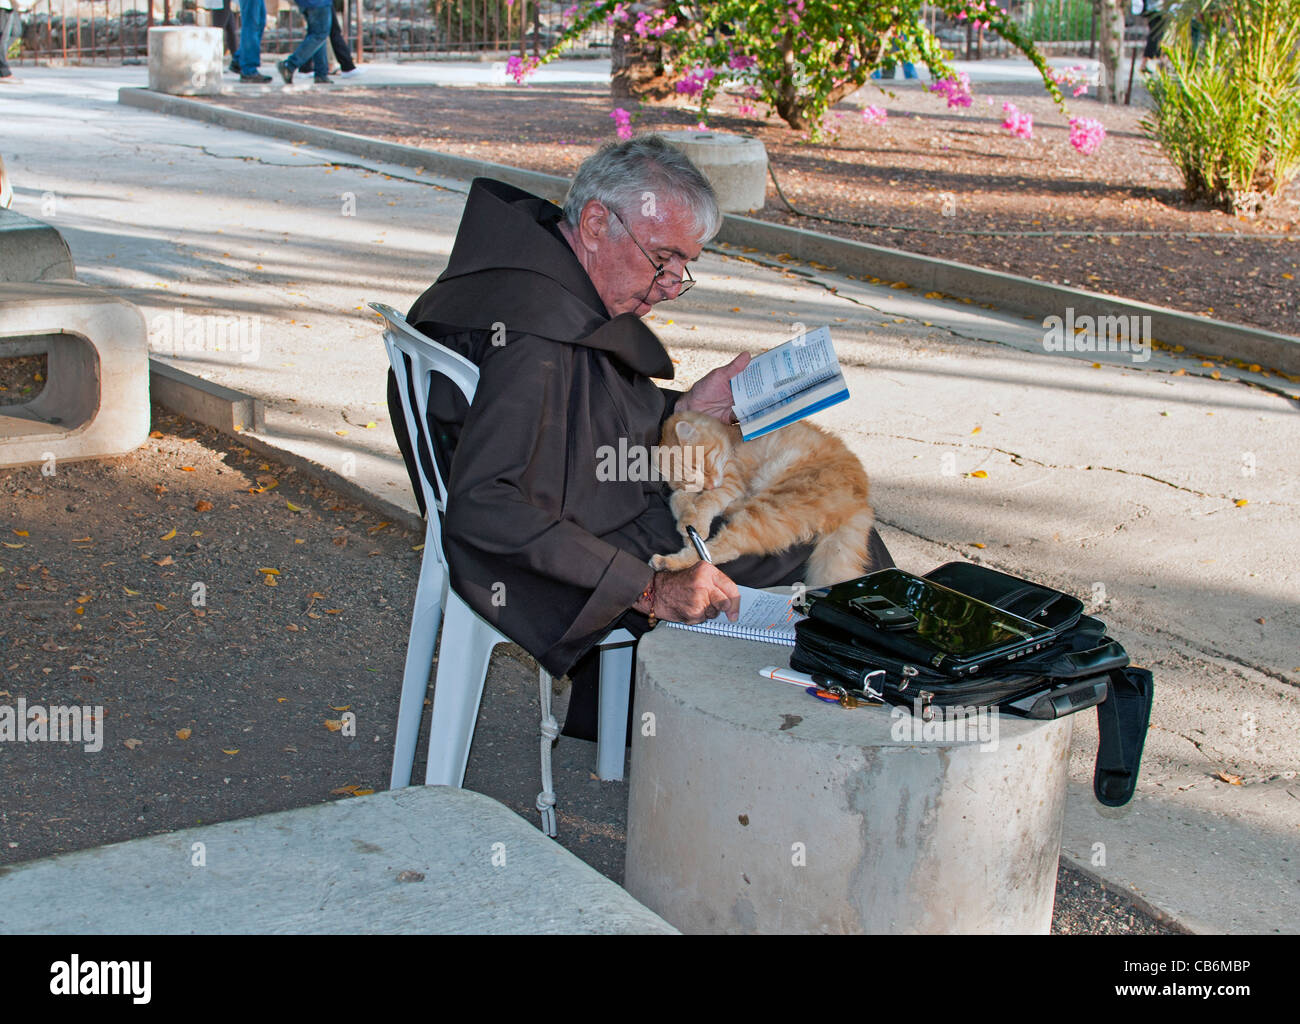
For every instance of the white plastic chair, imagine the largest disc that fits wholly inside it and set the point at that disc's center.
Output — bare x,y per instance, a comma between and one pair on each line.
468,640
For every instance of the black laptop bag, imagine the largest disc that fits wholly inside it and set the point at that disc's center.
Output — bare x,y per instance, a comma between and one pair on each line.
1080,668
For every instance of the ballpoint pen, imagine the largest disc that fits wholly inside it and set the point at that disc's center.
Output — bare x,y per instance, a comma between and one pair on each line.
698,541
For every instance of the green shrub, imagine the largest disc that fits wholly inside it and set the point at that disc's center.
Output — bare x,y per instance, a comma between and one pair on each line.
1227,111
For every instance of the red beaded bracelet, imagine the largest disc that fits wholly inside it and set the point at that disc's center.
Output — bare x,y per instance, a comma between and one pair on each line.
648,595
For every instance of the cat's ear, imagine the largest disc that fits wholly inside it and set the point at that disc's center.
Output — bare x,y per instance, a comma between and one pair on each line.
686,430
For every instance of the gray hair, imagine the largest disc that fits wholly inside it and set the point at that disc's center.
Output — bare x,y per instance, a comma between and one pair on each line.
620,173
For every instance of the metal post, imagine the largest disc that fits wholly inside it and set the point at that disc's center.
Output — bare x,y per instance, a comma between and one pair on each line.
358,13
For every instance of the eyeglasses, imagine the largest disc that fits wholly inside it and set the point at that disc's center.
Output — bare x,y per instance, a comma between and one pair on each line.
684,283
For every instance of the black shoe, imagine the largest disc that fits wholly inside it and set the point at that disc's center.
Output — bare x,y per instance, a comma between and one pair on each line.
255,78
233,69
286,72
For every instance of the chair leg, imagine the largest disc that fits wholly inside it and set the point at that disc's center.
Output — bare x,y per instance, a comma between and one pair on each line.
617,657
419,661
463,658
550,730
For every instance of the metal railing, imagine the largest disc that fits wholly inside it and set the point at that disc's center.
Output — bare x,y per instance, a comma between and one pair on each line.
112,31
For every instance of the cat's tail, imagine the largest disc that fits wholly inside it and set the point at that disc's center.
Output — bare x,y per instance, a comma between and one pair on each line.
843,554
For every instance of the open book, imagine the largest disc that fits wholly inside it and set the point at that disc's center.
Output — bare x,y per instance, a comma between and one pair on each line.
787,383
763,616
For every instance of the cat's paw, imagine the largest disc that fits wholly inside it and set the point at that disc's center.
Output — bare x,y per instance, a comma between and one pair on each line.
683,559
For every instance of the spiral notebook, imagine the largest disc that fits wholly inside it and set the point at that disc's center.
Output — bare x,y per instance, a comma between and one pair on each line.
763,616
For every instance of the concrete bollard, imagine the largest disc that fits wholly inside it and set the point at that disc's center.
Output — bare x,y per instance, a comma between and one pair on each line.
185,60
736,166
754,808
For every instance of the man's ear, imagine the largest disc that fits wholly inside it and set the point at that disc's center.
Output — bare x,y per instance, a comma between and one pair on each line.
593,224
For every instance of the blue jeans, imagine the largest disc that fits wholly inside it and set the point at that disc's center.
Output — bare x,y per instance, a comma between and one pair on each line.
252,15
318,34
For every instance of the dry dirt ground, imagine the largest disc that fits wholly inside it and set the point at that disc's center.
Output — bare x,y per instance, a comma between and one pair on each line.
932,179
240,631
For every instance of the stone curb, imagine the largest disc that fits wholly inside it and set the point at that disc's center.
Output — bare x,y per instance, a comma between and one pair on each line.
1200,335
237,414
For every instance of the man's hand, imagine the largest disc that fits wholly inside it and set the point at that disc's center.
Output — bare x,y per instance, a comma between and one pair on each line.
712,392
695,594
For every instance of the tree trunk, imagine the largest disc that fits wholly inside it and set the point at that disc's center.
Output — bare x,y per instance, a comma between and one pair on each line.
1110,17
637,65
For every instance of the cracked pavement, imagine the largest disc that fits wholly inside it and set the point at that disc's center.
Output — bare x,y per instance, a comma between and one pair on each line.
1159,495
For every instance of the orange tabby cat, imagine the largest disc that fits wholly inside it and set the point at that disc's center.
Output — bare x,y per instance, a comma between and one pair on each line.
792,486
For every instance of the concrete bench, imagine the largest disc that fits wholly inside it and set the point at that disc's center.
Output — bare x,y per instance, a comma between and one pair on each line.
755,808
96,398
416,860
31,250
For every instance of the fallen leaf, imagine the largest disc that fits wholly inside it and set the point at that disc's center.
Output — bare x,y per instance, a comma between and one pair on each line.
182,734
979,474
977,544
333,611
81,540
977,430
203,505
132,744
1228,777
270,581
231,752
333,724
376,529
1241,501
292,507
187,469
166,559
20,533
84,598
168,535
271,572
362,792
1261,621
344,790
15,546
345,707
371,425
160,607
132,593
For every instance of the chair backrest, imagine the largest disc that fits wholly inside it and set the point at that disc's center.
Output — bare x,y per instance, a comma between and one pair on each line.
415,359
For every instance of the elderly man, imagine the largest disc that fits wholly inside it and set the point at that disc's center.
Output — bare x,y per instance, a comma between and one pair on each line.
548,304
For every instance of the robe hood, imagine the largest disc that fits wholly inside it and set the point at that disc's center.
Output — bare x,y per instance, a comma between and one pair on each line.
505,254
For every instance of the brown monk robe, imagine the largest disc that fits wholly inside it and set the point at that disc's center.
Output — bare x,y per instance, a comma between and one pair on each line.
539,542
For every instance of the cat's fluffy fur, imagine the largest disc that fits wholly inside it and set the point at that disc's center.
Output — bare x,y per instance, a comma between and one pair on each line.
793,486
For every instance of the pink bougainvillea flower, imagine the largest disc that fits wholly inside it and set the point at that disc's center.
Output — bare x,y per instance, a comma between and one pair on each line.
519,69
874,115
695,80
1086,134
1017,122
957,90
622,122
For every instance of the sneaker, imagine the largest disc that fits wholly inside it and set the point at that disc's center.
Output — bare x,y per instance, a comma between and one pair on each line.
233,68
286,72
350,74
260,79
322,81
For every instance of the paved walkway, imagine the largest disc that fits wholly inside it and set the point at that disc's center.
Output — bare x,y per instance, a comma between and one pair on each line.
1118,482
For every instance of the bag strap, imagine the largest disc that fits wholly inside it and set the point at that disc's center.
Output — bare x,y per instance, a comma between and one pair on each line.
1122,720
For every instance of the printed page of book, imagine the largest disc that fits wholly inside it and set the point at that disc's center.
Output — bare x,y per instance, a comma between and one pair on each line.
784,371
797,407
